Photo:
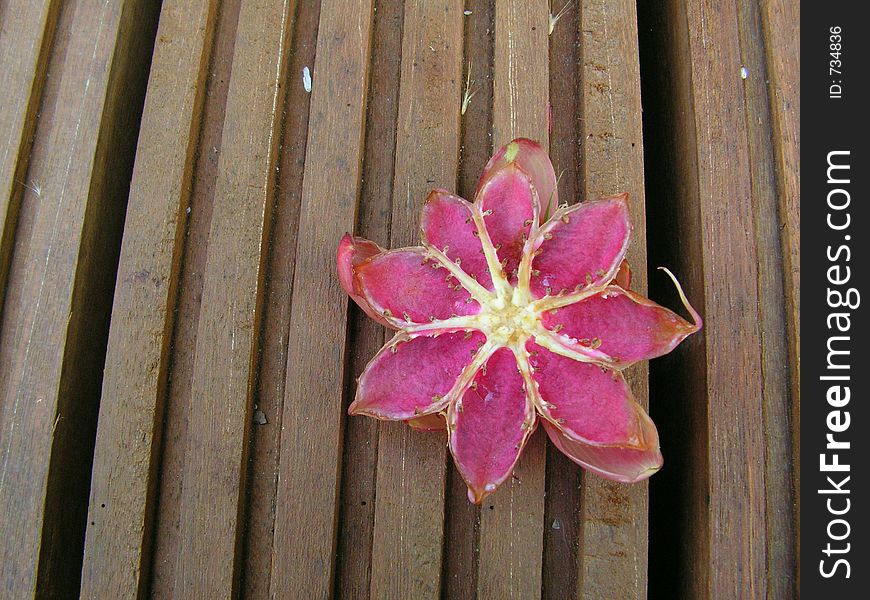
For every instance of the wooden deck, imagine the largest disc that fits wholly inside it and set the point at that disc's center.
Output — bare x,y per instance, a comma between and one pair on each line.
177,356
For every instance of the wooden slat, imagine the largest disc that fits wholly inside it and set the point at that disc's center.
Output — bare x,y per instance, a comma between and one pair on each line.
512,520
55,319
26,36
280,270
780,21
774,310
126,457
166,530
224,372
365,336
713,386
311,424
613,557
409,513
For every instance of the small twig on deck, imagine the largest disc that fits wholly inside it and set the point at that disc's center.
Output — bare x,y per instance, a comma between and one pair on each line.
468,94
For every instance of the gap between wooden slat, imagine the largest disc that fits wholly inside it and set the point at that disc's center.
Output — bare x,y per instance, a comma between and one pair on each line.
512,519
61,280
703,181
127,454
224,370
303,565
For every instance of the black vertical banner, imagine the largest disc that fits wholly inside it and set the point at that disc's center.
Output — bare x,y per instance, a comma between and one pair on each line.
835,227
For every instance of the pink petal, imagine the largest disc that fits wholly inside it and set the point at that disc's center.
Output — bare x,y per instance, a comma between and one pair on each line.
626,465
405,286
433,422
623,325
593,416
489,428
447,223
535,162
510,208
412,377
352,251
581,245
588,402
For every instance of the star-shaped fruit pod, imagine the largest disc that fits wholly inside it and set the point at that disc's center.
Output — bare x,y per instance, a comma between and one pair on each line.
503,322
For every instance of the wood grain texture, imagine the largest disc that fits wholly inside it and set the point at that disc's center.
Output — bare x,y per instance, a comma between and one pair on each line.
61,277
613,557
365,336
224,372
774,312
280,270
166,531
409,513
512,520
128,442
712,217
26,37
313,415
780,27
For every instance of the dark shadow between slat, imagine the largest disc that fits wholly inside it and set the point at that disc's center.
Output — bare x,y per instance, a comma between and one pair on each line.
678,521
69,473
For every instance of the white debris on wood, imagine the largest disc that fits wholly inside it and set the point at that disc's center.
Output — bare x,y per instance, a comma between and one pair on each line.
306,79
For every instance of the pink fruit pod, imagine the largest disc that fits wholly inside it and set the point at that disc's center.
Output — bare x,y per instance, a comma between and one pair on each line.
513,312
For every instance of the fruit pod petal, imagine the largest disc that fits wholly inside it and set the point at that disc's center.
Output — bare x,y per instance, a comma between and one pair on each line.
623,325
414,376
406,287
447,224
490,425
582,246
626,465
589,402
352,251
509,206
535,162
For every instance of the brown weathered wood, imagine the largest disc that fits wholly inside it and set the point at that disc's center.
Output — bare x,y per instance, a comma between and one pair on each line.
166,528
55,319
126,457
780,28
313,414
224,370
774,312
706,171
613,558
280,270
409,513
365,337
512,520
25,43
